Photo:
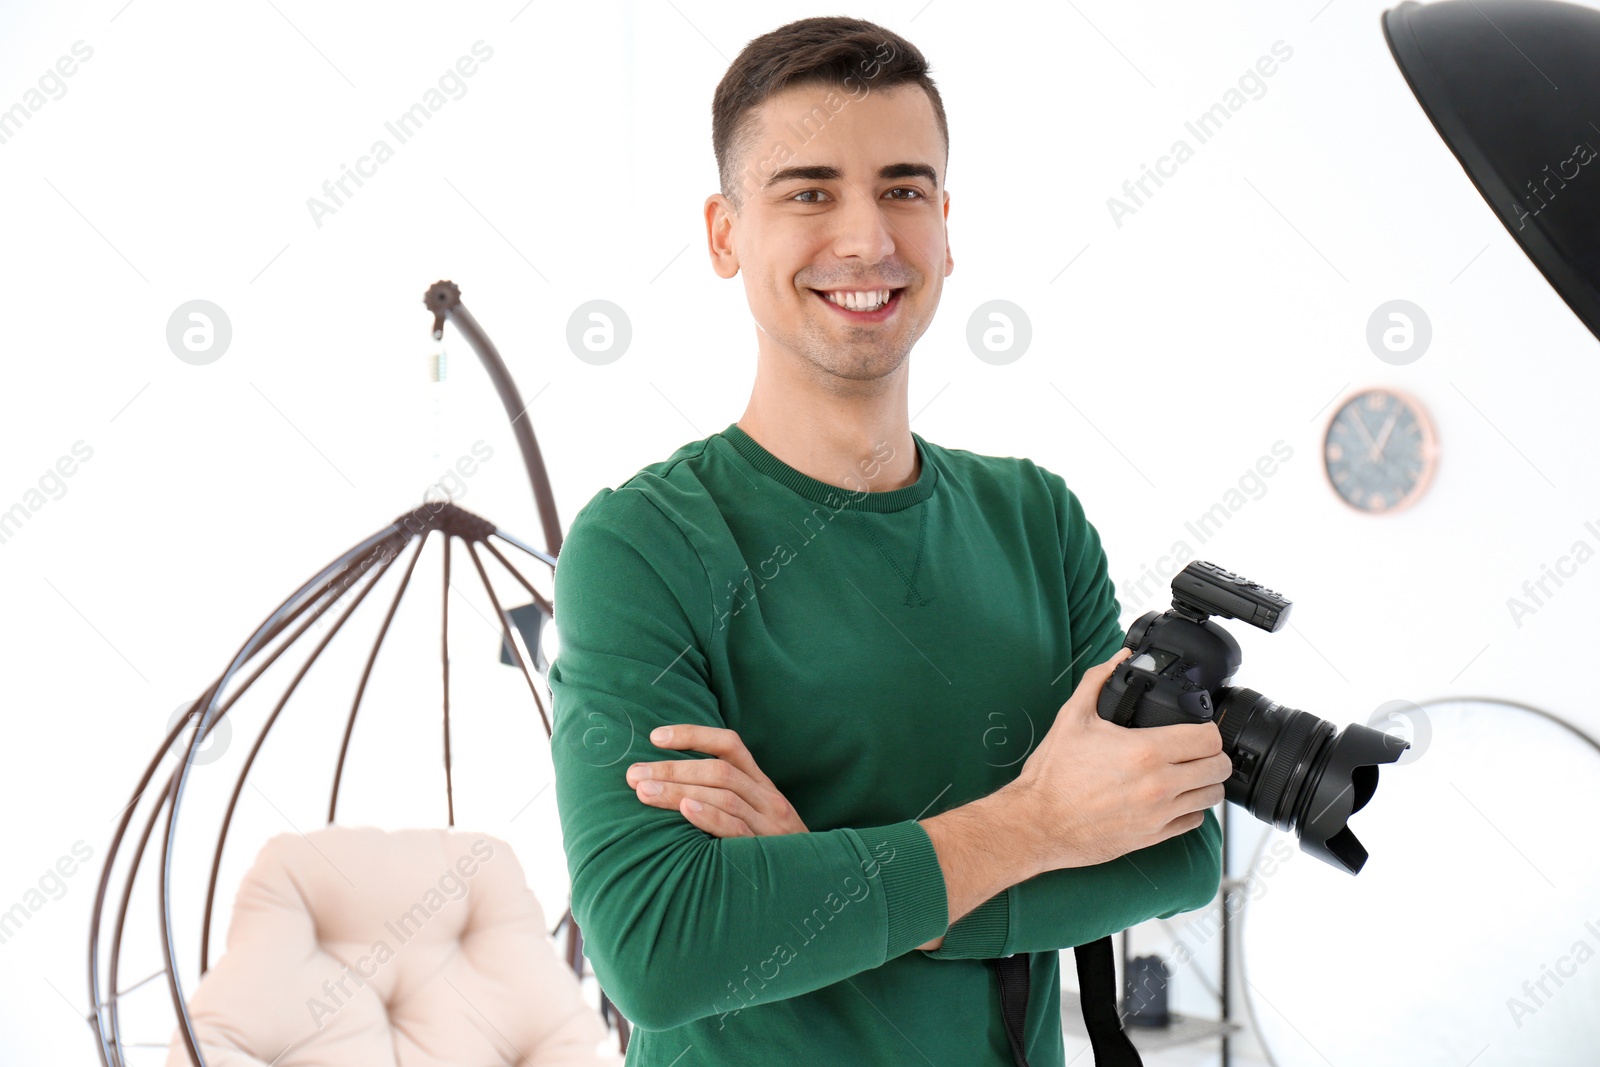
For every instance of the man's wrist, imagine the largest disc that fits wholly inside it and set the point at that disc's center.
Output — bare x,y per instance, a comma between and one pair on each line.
984,847
1016,815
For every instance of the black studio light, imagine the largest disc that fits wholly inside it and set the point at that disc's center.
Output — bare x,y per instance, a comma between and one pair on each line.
1513,87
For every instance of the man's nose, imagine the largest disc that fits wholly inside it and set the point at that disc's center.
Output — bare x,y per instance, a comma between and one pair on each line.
864,230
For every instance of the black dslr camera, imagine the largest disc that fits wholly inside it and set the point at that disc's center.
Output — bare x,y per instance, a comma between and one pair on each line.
1289,767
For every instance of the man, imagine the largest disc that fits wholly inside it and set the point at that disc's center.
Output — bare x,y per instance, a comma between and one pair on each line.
864,645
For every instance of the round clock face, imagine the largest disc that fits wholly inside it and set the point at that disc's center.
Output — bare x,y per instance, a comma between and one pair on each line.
1379,450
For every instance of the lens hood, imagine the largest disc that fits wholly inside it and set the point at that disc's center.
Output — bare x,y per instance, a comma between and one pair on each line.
1341,786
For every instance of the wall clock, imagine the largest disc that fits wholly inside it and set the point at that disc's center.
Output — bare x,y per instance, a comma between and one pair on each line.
1379,450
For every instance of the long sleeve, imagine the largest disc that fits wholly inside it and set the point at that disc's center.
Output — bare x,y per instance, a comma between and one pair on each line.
673,917
1071,906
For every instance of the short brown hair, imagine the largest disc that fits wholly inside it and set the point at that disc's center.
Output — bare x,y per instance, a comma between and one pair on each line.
825,51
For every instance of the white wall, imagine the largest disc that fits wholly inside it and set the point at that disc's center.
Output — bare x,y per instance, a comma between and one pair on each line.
1222,317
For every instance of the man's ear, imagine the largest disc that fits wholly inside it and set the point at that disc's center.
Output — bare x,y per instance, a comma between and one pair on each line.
949,259
720,222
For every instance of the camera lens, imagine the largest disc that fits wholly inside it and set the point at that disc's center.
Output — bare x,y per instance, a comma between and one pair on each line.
1275,752
1295,771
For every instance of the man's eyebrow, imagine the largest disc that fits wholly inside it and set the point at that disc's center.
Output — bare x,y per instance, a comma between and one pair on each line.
823,172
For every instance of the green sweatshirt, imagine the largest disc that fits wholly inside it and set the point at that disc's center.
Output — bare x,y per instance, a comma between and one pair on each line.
885,656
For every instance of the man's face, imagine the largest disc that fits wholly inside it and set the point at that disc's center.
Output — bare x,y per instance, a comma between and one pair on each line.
842,223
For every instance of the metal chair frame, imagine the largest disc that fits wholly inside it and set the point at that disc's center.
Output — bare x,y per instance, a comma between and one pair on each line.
358,568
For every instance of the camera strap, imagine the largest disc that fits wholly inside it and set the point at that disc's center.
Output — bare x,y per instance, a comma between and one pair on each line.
1123,713
1097,990
1013,974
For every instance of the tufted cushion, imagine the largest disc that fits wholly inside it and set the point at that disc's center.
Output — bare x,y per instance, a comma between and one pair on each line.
409,948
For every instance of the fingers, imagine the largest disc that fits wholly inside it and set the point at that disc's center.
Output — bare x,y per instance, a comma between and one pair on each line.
722,813
1206,796
1207,771
1087,695
1185,741
713,741
1183,824
717,773
714,820
716,783
1103,670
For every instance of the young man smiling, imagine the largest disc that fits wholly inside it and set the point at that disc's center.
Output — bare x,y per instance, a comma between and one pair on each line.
825,739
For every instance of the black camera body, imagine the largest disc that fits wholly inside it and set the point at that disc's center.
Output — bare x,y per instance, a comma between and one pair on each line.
1290,768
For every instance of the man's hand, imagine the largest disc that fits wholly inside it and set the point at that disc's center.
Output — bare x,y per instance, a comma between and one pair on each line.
1099,791
727,796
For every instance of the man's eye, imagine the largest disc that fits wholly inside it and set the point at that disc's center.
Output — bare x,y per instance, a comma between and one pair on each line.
899,189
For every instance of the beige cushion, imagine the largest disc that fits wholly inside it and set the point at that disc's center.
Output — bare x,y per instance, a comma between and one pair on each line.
409,948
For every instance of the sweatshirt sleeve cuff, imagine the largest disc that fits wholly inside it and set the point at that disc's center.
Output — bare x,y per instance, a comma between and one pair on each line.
912,883
980,934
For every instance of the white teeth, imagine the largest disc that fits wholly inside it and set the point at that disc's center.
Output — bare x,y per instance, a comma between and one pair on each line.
870,300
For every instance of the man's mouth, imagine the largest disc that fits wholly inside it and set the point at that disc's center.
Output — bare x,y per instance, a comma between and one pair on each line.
872,305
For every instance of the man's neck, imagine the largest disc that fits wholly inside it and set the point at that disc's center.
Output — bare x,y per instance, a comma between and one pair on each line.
849,448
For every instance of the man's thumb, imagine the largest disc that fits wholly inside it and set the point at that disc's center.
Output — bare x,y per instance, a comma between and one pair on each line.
1095,677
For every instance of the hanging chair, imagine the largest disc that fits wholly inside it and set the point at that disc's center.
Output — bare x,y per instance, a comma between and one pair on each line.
299,913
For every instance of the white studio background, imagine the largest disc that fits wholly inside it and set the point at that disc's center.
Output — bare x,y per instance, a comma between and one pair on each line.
1168,354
